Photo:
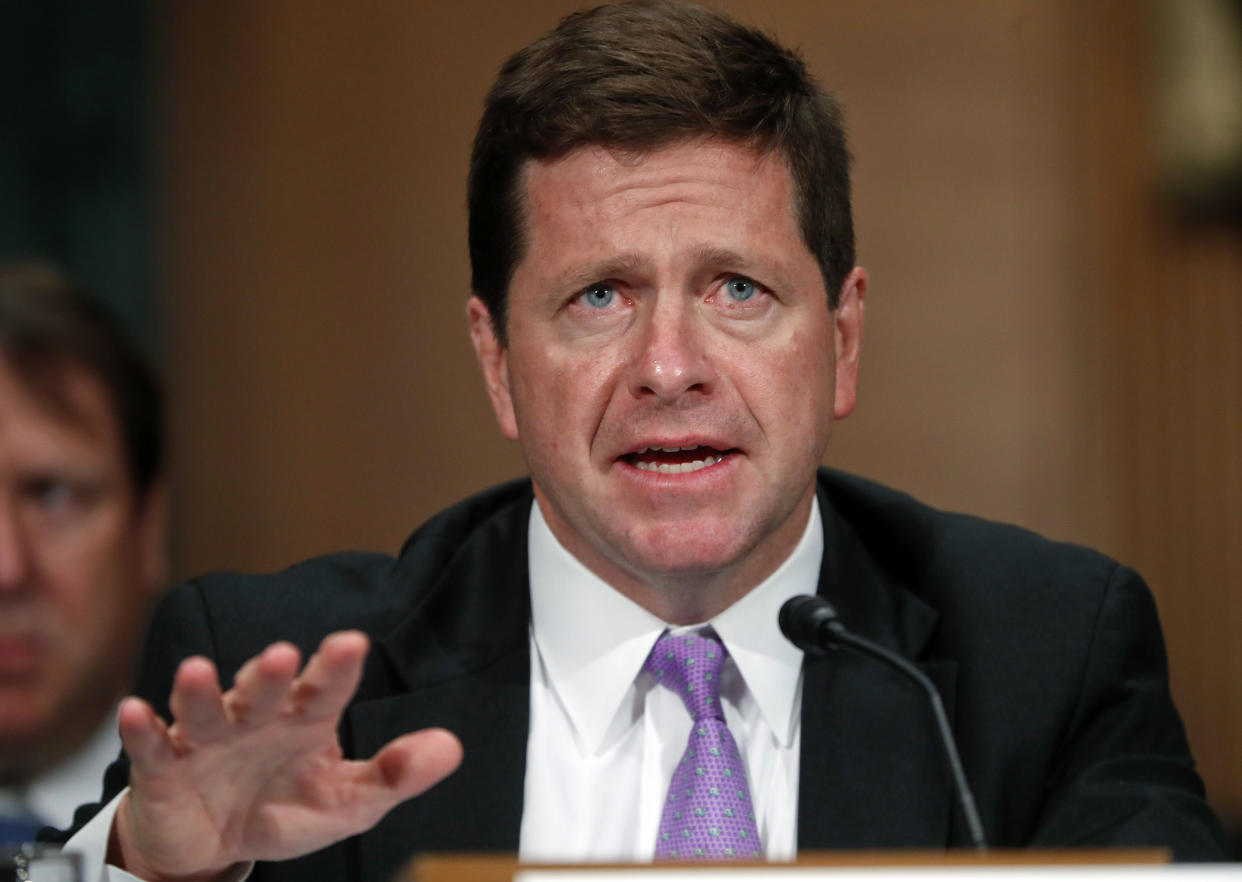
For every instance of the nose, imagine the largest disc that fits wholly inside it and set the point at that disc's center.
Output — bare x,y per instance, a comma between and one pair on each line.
672,359
14,557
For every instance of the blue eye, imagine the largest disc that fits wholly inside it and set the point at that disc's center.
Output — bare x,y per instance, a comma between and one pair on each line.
56,496
599,296
52,492
741,288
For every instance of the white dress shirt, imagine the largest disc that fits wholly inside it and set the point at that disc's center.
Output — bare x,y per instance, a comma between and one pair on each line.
600,725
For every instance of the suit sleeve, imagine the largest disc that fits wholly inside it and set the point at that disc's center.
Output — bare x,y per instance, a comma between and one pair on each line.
1124,776
179,628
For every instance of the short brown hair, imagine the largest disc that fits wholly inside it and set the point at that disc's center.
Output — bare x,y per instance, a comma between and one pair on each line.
49,324
639,76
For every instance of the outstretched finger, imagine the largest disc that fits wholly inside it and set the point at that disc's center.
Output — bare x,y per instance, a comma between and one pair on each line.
261,685
145,737
331,676
196,703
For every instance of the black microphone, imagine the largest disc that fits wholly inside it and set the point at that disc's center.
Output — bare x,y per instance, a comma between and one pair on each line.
811,624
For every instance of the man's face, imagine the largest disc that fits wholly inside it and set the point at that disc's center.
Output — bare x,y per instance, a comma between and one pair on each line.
80,558
673,368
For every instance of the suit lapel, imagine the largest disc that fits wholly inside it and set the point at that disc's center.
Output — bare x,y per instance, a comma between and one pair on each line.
461,660
871,770
478,807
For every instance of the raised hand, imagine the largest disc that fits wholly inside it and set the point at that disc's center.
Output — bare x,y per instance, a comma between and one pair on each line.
256,773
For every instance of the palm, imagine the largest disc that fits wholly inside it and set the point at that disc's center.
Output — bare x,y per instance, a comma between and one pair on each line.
257,773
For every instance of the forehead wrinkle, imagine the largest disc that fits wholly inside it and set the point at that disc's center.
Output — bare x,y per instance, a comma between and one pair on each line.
645,187
631,196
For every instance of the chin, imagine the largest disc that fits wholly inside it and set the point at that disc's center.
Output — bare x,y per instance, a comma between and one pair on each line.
689,550
20,718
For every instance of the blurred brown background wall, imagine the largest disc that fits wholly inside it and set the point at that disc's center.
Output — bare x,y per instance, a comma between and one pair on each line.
1043,345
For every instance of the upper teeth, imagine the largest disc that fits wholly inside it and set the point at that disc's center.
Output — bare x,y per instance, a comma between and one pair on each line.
675,467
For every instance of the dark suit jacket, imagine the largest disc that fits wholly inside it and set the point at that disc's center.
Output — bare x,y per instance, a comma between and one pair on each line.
1049,658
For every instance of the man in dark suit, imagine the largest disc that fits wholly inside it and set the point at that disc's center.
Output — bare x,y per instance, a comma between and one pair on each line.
82,517
668,319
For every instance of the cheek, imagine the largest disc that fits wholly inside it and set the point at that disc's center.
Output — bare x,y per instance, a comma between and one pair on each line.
96,595
787,382
559,398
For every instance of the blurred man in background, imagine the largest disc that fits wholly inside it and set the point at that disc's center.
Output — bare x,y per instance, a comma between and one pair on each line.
82,520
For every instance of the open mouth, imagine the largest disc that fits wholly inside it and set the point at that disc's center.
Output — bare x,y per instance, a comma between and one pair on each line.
675,460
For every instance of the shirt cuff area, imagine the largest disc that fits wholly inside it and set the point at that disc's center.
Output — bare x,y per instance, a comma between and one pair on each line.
91,842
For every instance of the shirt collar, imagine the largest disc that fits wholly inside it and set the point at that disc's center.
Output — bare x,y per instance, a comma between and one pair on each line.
768,662
593,640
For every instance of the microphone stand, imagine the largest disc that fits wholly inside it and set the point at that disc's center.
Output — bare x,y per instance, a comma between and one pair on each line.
811,623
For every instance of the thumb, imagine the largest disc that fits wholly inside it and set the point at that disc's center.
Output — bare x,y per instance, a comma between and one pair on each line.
413,763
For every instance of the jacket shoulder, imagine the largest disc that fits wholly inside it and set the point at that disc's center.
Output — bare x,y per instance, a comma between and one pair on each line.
997,589
238,614
923,546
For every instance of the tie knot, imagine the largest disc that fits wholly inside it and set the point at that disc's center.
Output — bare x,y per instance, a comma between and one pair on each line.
689,664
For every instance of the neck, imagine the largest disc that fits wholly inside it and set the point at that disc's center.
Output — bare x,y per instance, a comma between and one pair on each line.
690,596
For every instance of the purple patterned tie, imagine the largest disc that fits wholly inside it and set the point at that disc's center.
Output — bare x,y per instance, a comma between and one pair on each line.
708,814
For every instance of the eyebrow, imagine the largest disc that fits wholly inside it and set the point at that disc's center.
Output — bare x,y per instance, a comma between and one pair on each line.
713,256
580,277
710,255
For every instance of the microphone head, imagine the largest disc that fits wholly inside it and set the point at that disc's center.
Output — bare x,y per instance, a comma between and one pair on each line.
808,621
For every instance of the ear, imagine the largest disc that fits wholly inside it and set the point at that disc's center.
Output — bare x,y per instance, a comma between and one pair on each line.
153,538
494,362
847,320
